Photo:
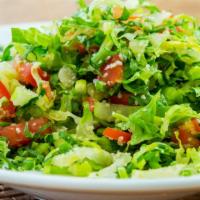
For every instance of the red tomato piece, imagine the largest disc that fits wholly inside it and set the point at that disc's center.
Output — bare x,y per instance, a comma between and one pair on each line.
3,91
187,139
118,135
196,125
7,110
91,101
121,98
34,125
43,75
80,47
25,75
15,133
112,71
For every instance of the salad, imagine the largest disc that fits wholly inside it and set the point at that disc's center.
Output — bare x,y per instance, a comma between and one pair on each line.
113,91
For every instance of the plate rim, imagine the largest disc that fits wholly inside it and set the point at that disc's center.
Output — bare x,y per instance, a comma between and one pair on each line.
94,185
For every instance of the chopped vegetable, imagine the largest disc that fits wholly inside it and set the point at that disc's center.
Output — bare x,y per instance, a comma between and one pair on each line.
113,91
114,134
22,133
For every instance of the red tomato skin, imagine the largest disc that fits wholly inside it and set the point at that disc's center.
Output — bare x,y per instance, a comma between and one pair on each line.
80,48
115,134
15,132
112,71
15,135
7,109
196,124
3,91
43,75
35,124
183,136
25,75
122,98
187,139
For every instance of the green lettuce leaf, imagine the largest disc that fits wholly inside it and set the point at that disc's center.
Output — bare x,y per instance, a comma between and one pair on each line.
21,96
153,156
120,160
3,152
85,127
145,124
177,113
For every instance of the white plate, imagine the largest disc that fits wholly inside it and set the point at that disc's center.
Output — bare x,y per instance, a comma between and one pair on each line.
70,188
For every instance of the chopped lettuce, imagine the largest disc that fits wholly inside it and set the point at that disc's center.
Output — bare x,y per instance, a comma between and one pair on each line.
118,87
85,127
21,96
80,161
145,124
119,160
153,156
3,152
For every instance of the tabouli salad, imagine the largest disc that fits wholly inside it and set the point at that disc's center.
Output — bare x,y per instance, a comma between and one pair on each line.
113,91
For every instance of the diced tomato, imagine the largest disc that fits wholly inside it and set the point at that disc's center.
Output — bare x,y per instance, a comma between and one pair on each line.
112,71
3,91
25,75
184,136
187,139
121,98
44,75
196,125
80,47
117,11
118,135
34,125
188,132
15,133
7,110
90,100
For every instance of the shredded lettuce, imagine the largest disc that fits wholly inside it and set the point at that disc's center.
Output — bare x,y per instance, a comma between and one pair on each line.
118,85
21,96
80,161
153,156
119,160
3,152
